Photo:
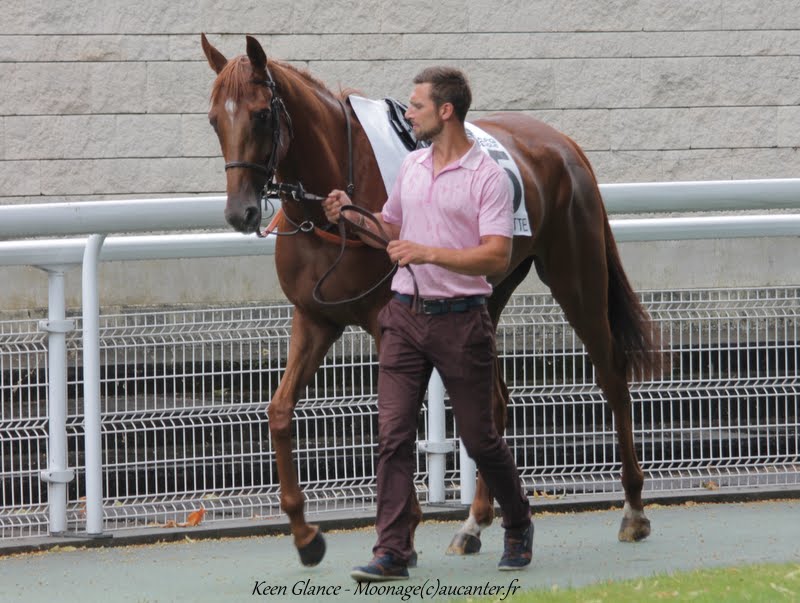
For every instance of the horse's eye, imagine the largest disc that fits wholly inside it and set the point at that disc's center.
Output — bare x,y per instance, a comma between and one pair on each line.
262,115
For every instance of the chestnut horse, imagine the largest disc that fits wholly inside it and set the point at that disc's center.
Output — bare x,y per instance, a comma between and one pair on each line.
272,118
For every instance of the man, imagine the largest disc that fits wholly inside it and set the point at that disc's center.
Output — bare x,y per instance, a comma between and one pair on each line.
449,215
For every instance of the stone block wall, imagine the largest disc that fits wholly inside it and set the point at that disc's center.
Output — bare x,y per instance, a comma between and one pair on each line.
103,100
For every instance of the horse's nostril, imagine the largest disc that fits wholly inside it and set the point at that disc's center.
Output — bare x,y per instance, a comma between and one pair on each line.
251,216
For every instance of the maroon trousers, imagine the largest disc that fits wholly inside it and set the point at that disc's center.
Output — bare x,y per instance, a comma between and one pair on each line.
461,346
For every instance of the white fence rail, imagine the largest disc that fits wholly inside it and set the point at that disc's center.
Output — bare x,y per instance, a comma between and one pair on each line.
99,219
205,212
55,256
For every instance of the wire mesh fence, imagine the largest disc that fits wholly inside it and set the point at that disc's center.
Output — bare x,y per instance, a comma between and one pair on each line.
184,394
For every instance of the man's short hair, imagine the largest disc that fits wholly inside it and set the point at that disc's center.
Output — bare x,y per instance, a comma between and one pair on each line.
448,85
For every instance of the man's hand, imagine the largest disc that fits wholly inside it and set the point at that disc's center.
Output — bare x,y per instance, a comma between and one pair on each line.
407,252
333,204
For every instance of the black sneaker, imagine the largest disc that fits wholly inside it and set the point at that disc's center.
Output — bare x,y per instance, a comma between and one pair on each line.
517,549
380,569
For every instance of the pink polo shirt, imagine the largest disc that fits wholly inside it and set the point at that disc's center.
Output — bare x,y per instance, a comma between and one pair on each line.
468,199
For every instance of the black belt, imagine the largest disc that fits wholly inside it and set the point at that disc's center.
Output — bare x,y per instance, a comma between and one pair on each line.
442,306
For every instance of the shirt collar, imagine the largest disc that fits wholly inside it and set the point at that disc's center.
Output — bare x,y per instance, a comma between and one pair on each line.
426,155
472,158
469,160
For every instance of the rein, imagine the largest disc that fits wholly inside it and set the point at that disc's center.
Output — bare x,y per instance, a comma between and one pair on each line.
382,239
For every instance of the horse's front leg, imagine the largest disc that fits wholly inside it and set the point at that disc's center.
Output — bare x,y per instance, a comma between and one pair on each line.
308,344
467,541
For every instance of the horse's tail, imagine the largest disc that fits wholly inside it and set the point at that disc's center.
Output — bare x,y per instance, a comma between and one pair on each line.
631,326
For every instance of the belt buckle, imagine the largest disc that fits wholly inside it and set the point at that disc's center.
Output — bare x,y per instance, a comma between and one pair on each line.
432,306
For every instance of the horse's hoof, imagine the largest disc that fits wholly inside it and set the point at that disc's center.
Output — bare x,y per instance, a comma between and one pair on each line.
412,561
314,551
464,544
634,529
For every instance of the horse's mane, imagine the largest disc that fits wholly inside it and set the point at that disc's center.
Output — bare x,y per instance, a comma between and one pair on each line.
235,77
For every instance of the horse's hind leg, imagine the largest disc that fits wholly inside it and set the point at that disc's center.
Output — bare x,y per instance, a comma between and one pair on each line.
308,344
611,370
585,303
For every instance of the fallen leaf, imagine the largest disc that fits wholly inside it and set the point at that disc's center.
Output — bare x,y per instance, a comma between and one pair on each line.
543,494
194,518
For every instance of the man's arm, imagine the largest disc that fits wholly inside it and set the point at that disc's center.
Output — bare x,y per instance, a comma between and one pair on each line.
332,206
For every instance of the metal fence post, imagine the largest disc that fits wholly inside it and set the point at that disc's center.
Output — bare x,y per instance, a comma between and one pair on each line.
467,472
436,446
57,475
91,377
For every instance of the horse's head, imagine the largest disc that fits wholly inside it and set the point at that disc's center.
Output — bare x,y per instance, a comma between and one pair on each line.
252,125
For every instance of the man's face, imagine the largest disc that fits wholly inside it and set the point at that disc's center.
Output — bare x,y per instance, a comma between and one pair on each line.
423,113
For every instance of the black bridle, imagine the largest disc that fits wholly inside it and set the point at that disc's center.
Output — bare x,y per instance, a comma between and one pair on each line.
296,192
276,109
281,190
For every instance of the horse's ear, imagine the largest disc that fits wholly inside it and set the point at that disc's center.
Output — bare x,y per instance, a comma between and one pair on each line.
256,54
215,58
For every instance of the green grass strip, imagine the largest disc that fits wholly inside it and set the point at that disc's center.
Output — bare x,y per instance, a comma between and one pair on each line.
767,583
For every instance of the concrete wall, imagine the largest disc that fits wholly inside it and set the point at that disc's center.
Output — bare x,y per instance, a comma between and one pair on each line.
108,99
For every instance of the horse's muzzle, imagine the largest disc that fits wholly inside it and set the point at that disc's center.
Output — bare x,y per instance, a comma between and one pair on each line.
247,220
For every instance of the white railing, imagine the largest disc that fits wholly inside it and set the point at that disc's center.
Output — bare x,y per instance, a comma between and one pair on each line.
709,195
55,257
99,219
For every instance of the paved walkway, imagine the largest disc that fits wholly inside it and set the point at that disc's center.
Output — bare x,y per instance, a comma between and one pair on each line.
570,549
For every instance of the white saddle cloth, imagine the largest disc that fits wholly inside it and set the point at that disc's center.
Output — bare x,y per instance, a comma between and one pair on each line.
390,151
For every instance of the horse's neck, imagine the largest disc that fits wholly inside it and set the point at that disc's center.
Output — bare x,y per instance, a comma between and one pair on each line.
320,156
311,162
317,156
